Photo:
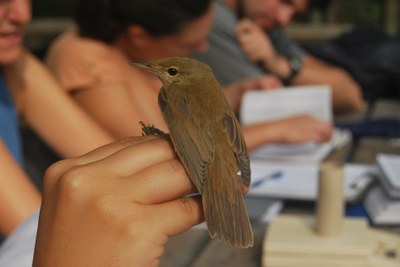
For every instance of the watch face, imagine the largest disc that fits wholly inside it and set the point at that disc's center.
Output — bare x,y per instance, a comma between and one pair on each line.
295,64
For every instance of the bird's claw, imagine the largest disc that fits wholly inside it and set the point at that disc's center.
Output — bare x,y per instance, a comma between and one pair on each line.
152,130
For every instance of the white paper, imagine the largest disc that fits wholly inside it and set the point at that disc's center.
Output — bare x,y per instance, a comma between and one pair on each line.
300,181
261,105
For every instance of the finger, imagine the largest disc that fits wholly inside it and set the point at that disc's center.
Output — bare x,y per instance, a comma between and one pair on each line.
321,135
245,23
107,150
97,154
137,157
324,137
160,183
179,215
244,189
243,26
325,130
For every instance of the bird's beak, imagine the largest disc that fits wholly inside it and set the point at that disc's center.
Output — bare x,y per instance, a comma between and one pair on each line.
145,67
139,65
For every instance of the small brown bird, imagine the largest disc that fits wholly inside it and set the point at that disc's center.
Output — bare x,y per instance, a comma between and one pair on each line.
208,140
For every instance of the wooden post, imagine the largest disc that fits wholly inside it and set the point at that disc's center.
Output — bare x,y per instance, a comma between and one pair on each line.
330,203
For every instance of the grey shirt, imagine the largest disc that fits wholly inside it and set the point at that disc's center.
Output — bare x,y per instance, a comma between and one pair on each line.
224,54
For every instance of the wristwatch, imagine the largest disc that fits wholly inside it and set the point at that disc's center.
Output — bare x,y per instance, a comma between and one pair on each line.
295,65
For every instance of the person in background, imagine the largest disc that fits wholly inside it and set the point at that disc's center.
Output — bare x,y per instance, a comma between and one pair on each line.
30,93
248,39
91,60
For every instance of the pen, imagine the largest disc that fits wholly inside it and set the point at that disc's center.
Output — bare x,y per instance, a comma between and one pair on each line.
273,175
361,180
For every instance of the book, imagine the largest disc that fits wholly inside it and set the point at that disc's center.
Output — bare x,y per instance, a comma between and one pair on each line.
389,166
380,208
258,106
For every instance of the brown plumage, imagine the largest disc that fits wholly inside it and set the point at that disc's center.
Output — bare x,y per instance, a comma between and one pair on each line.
208,140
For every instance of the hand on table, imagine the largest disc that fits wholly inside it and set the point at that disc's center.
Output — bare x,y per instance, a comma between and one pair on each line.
291,130
303,128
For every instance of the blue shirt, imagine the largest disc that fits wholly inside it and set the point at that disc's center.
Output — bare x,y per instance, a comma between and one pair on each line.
9,129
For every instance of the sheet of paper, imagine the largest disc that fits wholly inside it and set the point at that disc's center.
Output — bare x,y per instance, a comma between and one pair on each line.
261,105
300,181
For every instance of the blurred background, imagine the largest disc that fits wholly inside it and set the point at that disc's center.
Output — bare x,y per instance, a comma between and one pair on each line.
329,19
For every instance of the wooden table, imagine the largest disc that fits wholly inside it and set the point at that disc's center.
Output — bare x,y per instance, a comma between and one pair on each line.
195,249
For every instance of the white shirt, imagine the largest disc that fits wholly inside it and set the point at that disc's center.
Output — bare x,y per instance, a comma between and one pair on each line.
17,250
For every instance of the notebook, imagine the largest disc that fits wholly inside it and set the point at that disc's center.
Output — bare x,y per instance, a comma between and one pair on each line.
380,208
389,178
258,106
390,166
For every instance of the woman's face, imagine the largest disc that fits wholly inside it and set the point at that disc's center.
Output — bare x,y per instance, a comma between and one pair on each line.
14,17
192,38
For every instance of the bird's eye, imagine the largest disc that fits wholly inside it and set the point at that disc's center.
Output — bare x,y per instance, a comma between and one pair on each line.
172,71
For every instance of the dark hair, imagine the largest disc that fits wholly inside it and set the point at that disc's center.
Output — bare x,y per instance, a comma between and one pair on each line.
318,4
105,20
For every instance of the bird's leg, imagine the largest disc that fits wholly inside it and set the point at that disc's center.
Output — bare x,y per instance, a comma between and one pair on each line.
152,130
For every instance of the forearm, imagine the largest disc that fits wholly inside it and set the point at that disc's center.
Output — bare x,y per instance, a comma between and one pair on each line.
109,102
61,123
278,66
346,93
18,196
260,134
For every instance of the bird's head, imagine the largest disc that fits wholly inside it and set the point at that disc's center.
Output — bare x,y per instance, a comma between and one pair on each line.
178,70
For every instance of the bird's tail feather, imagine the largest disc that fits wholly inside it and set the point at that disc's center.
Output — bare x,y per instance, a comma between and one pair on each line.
226,215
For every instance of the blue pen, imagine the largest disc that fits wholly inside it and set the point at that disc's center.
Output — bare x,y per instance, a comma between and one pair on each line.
274,175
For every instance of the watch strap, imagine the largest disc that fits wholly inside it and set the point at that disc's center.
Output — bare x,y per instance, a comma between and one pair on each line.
295,65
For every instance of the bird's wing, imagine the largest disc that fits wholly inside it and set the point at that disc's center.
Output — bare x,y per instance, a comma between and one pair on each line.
236,140
194,148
